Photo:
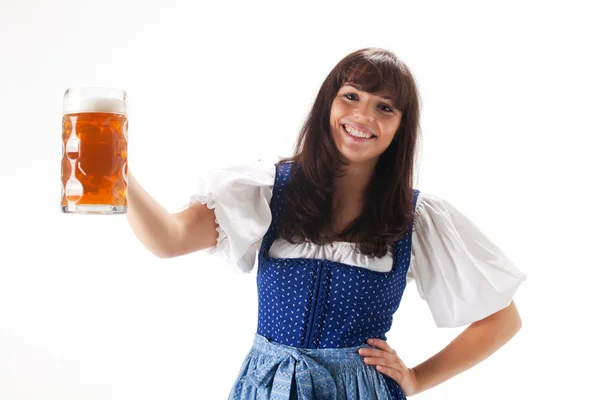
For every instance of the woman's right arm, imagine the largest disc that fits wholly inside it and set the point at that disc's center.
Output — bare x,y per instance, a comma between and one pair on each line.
168,235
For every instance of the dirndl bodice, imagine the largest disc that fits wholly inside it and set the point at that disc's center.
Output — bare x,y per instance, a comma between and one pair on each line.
307,308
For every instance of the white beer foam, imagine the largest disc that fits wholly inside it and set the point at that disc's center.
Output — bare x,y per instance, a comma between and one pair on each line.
95,100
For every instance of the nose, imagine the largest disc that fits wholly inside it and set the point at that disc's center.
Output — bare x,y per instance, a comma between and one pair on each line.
363,112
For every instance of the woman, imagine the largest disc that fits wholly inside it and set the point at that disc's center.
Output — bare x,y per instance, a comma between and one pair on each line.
339,230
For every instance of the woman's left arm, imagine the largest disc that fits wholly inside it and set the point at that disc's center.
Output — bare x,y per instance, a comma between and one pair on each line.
476,343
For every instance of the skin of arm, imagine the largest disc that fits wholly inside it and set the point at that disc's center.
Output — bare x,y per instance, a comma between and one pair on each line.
168,235
476,343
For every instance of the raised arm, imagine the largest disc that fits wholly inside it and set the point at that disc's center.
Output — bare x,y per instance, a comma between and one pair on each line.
165,234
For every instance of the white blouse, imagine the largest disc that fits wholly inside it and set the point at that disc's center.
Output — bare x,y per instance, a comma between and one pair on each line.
458,271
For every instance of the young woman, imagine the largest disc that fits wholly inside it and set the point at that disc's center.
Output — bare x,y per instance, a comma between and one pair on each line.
339,230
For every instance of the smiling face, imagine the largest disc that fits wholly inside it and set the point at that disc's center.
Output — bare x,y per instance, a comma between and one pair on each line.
362,124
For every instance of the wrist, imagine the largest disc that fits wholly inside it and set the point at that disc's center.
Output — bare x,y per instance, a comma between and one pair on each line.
418,380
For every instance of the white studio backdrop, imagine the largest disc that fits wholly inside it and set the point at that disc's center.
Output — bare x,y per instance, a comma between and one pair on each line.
510,137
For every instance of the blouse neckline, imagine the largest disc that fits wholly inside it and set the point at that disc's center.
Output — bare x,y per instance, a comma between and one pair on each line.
264,254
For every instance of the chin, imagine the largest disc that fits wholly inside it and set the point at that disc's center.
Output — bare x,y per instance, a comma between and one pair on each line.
354,158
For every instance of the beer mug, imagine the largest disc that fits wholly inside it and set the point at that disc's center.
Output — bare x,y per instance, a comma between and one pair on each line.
94,157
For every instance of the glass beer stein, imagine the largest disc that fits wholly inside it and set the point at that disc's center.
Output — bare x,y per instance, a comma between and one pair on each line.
94,157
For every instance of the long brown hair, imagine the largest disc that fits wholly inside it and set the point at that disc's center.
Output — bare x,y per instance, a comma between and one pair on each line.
388,207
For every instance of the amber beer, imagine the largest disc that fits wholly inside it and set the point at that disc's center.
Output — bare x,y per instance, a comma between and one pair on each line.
94,159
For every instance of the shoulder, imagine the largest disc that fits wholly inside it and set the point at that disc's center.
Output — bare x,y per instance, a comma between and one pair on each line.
427,197
258,165
256,172
425,201
436,216
461,272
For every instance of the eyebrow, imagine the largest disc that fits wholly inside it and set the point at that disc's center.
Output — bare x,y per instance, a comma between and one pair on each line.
357,88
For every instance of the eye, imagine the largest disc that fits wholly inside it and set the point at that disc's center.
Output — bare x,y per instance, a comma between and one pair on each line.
384,107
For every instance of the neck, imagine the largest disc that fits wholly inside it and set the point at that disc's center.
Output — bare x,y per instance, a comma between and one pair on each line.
350,188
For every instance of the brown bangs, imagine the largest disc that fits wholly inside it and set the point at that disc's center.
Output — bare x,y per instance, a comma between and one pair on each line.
377,74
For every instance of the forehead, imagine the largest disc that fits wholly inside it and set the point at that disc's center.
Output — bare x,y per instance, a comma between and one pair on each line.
355,86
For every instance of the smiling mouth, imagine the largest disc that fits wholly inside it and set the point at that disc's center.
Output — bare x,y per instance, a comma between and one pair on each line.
356,134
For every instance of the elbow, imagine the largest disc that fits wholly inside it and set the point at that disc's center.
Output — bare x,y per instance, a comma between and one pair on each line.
168,248
161,255
517,317
515,322
518,324
164,253
507,321
512,330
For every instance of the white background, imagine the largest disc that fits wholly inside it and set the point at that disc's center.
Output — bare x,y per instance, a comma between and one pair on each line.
510,137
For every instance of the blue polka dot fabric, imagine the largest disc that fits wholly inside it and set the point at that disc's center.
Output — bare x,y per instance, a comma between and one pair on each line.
319,306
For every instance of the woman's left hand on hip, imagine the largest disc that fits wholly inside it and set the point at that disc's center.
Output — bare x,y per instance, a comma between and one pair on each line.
387,361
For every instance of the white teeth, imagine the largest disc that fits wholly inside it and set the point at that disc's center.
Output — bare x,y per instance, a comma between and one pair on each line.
356,133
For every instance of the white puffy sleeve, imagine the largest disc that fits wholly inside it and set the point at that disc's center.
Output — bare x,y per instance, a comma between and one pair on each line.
240,196
458,271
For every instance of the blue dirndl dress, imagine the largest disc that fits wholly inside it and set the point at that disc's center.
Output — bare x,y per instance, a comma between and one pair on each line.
314,315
